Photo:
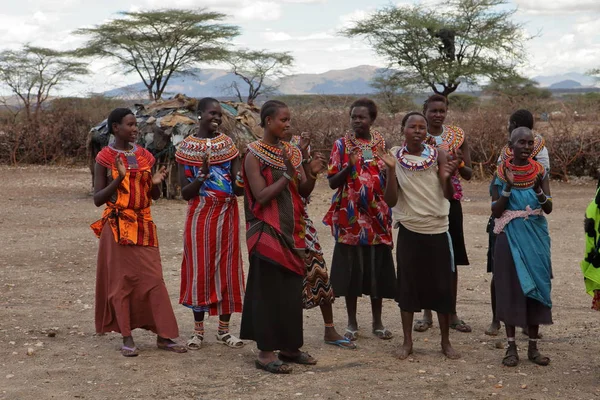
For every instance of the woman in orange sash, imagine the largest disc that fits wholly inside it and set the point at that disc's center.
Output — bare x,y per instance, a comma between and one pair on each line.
130,290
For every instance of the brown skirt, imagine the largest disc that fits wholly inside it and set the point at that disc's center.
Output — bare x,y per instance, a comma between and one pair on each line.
512,307
130,290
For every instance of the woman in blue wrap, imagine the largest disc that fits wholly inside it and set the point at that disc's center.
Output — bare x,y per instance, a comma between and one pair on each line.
522,265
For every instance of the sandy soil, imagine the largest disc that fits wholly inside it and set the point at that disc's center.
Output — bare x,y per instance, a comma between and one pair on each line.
47,273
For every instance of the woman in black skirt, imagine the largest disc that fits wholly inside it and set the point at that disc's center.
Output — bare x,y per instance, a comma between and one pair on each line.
423,253
360,220
276,181
451,139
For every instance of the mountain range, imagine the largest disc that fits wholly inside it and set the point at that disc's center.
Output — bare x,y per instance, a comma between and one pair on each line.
357,80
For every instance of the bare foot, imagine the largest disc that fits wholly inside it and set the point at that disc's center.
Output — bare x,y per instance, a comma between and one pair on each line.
493,329
404,351
449,352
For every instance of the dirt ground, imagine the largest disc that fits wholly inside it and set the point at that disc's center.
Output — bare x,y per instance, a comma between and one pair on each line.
47,278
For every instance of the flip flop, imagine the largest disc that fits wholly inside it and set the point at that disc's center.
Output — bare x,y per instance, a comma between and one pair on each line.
274,367
344,343
303,358
351,335
383,334
174,347
129,351
461,326
422,325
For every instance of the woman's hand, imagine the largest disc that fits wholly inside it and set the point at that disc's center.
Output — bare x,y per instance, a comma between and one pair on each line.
389,161
160,175
353,159
318,164
120,167
205,165
449,169
305,138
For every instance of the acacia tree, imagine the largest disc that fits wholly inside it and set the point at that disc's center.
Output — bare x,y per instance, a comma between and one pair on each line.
32,73
156,44
459,41
260,70
517,87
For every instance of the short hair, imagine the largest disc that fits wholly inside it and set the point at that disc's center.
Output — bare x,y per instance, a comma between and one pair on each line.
434,98
410,114
522,118
116,117
523,130
368,104
204,103
269,109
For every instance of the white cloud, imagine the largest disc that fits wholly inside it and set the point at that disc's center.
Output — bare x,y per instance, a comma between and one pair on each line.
275,36
558,7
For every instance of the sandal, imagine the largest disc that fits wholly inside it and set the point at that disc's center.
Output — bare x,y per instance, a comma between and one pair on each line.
422,325
511,358
461,326
174,347
274,367
303,358
344,343
383,334
351,335
195,341
536,358
129,351
229,340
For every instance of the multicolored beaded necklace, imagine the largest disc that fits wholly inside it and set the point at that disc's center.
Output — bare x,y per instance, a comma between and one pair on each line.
192,150
135,159
452,137
538,144
524,175
429,160
273,156
365,149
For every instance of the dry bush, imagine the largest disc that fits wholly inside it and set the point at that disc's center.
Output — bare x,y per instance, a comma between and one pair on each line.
57,135
572,137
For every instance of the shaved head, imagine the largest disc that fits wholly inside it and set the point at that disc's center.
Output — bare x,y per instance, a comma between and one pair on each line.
520,133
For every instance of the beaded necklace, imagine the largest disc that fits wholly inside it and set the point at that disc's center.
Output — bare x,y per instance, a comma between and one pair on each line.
273,156
524,175
538,144
429,153
365,148
452,137
192,150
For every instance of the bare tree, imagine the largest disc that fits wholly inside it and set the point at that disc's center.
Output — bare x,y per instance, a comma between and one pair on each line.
260,70
32,73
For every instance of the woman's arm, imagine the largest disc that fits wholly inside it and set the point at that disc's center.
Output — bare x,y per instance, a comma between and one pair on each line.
466,171
261,192
102,191
500,199
544,197
390,195
446,169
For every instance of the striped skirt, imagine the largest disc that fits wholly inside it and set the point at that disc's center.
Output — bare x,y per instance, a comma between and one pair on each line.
212,278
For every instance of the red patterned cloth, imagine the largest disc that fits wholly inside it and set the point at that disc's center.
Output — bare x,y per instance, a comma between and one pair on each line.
275,231
358,214
128,212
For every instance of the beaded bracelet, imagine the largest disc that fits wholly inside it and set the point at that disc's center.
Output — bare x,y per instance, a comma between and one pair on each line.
505,193
307,160
287,176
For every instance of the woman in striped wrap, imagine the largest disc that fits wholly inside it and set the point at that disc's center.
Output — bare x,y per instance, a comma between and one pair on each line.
212,279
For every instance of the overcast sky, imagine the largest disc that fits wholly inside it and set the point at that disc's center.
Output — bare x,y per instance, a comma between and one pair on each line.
568,31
